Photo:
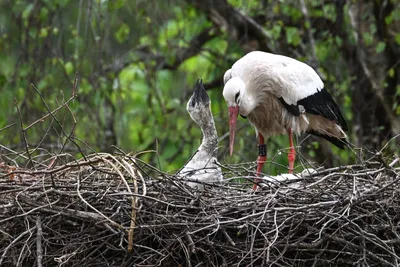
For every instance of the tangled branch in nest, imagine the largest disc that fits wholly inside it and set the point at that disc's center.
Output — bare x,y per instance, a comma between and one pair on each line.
101,211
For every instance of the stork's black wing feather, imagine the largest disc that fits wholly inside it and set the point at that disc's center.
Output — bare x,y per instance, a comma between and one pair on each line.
320,103
340,143
294,109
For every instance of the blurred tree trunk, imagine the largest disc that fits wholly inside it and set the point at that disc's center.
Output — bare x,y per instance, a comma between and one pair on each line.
374,84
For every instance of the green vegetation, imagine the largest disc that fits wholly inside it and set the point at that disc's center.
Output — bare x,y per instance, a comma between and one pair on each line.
138,61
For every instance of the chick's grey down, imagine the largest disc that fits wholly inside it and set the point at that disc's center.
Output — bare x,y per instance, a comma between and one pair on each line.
203,166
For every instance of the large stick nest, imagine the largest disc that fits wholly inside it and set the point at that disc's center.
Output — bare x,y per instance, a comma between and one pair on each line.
105,210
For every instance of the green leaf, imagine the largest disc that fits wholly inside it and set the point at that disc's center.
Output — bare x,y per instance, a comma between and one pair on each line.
391,72
27,11
115,4
397,38
380,47
43,13
397,110
122,34
43,33
368,38
69,68
32,32
292,36
62,3
276,31
389,19
339,41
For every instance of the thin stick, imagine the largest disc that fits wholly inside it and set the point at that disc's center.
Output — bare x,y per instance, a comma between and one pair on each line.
96,210
51,113
39,250
73,95
23,131
56,120
8,126
14,242
133,208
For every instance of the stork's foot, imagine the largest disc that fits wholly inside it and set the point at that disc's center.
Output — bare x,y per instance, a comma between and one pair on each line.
255,185
292,152
291,158
260,163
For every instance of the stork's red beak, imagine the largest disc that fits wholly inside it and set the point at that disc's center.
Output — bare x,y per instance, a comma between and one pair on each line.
233,114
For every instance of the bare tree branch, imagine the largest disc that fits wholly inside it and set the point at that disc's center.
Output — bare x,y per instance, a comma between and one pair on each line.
143,54
195,47
237,24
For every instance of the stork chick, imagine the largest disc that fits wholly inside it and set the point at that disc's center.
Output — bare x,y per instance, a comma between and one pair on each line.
281,95
202,167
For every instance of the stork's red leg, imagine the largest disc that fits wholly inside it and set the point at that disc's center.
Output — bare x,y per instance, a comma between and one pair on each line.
262,157
292,152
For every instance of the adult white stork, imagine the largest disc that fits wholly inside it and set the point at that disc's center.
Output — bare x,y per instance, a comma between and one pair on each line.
281,95
203,166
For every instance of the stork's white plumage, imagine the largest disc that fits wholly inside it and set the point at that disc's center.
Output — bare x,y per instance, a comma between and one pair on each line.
281,95
202,167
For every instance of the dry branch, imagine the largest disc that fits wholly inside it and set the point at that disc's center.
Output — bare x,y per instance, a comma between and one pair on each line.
95,208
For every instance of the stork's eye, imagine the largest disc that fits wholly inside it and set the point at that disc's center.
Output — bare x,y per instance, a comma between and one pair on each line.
236,96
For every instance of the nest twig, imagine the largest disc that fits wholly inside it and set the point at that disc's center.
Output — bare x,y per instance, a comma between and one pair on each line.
104,211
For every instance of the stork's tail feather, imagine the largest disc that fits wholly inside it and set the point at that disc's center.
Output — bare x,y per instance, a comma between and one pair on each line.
339,142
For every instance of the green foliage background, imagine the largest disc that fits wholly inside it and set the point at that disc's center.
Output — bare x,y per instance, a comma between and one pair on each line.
138,60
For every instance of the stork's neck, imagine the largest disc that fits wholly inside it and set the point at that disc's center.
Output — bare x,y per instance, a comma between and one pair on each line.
248,103
210,137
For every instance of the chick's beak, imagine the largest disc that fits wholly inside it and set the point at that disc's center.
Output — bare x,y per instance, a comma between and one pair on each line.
233,114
